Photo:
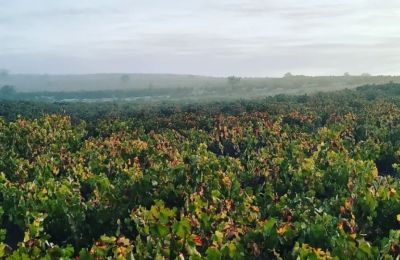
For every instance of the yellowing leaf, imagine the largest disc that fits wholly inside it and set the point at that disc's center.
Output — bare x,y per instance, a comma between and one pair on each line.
282,229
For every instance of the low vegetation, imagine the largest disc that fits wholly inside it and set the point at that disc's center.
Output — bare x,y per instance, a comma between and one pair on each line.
285,177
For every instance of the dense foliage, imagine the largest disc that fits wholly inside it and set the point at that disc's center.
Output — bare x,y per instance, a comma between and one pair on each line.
306,177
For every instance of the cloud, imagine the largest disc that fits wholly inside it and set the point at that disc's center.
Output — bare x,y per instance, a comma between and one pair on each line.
245,37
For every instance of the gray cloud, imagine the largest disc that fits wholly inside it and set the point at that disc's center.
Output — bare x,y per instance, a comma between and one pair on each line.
244,37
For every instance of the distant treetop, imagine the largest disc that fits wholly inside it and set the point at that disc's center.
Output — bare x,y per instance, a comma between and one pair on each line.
7,91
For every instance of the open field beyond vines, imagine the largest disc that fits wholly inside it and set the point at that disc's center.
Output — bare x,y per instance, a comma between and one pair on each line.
285,177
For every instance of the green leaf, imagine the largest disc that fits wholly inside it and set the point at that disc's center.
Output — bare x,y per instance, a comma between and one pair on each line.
269,226
215,194
2,250
366,248
213,253
107,239
182,228
232,249
162,230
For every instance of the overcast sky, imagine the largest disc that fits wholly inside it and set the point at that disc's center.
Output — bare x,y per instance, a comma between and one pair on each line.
205,37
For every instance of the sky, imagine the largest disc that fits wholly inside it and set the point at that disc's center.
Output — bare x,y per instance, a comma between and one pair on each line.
202,37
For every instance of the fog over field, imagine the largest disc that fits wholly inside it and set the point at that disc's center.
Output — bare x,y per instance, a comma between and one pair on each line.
287,84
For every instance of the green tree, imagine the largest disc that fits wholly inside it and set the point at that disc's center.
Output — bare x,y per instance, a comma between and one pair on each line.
233,81
125,78
7,91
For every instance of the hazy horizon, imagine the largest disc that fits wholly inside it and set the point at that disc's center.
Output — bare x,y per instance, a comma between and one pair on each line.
10,73
246,38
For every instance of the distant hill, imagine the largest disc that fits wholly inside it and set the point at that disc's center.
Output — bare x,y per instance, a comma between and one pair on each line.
91,82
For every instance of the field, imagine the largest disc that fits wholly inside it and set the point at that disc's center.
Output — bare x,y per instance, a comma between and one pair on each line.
127,87
285,177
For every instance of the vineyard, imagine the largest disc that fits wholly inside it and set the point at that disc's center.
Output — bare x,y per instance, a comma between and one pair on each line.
285,177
